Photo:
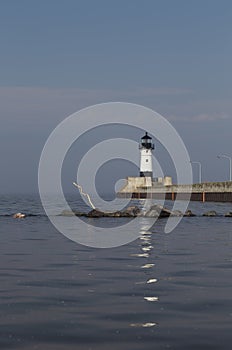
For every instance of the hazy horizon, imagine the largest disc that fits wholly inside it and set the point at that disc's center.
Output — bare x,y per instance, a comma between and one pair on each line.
59,57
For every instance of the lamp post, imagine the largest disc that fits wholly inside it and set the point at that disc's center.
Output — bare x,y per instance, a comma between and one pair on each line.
230,161
200,171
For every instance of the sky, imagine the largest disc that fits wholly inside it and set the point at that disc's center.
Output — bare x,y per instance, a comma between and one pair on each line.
57,57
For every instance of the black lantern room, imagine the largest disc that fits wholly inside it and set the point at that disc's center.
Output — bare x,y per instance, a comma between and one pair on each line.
146,142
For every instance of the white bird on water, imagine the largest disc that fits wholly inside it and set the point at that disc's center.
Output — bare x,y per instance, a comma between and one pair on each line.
19,216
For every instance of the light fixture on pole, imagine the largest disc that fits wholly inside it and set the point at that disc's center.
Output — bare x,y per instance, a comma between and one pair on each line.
200,171
230,161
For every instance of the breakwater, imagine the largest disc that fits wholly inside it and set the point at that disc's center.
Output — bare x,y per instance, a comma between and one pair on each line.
140,188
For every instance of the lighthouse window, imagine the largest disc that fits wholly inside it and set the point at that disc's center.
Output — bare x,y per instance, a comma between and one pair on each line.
146,160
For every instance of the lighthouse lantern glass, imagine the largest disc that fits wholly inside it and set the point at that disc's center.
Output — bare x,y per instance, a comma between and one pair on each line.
146,142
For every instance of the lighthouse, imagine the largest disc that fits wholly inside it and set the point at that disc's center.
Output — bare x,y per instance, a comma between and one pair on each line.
146,146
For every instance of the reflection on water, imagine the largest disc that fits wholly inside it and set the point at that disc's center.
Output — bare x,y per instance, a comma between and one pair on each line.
146,247
58,295
152,280
144,325
147,266
151,298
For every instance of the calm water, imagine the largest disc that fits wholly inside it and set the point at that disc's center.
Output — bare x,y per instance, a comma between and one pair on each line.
162,291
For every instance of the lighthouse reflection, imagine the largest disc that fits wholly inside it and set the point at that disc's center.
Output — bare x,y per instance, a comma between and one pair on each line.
146,247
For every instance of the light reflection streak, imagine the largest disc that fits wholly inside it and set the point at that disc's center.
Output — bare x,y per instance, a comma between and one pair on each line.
146,248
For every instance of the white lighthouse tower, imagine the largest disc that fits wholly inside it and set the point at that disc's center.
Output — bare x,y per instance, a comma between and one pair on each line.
146,146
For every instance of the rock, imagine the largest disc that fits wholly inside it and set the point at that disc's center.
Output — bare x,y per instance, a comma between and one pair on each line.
210,213
189,213
95,213
72,213
161,212
19,216
165,213
153,212
131,211
176,213
229,214
67,213
128,212
117,214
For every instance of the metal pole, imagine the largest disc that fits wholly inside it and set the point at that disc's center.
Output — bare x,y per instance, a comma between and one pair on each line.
200,169
230,169
199,172
230,162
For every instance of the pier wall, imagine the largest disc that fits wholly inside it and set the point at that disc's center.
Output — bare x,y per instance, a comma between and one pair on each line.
207,192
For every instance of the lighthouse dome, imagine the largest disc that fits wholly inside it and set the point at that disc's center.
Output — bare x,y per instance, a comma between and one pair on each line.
146,142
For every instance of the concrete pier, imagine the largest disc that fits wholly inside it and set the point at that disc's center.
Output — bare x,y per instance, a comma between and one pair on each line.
137,187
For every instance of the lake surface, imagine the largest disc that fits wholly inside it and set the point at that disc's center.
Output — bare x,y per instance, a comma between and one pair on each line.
161,291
